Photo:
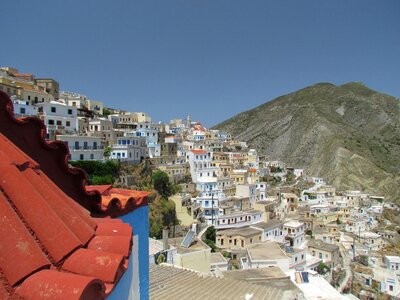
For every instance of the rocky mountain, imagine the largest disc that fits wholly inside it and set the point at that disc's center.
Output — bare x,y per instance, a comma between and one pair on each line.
348,134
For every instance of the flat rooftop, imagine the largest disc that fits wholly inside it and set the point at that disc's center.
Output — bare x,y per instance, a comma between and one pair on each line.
195,246
322,246
266,251
294,224
318,288
268,225
218,258
245,231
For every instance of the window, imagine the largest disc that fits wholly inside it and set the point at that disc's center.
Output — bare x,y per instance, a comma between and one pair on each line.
53,109
76,145
50,122
59,123
29,97
67,123
92,156
70,111
22,110
81,157
94,145
85,145
320,255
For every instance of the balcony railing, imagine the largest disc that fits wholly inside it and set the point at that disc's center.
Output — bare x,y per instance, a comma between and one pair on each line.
86,148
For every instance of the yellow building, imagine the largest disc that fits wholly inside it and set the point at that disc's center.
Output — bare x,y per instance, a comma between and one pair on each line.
239,176
238,238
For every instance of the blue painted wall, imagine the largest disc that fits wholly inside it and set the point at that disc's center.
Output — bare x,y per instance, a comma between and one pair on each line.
139,260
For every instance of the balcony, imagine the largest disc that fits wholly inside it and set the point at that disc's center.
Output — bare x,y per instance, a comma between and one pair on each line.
87,148
237,224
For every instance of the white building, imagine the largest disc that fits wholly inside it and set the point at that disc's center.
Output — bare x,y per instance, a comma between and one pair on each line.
392,262
130,149
83,147
372,240
356,226
294,232
23,108
265,255
95,106
102,127
203,174
237,219
272,231
298,172
74,99
262,188
58,118
247,191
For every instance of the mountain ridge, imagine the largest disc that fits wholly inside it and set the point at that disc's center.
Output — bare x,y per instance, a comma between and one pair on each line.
348,134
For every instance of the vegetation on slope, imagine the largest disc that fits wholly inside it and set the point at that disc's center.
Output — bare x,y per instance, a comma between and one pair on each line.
99,172
348,134
161,210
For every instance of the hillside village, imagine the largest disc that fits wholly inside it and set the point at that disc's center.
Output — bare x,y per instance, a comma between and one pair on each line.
243,216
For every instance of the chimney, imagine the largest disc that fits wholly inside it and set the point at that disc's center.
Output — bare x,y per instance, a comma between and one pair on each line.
165,239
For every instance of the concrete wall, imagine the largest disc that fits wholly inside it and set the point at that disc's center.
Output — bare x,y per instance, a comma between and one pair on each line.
198,261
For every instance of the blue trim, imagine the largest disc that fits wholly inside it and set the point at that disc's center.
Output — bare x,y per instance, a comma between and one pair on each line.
139,220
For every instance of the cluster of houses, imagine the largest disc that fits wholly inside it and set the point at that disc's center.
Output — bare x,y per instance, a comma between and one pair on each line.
224,185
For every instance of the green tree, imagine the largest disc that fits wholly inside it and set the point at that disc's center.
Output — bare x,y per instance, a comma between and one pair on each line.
106,112
211,233
107,152
161,183
99,172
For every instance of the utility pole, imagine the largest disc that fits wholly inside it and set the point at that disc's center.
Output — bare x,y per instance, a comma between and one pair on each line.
212,206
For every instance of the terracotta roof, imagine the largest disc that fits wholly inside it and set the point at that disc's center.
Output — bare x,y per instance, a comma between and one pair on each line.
199,151
28,134
252,170
49,244
23,75
117,200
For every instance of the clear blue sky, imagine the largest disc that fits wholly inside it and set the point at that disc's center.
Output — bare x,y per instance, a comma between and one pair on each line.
212,59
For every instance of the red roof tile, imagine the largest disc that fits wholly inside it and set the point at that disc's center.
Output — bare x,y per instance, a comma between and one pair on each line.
3,292
98,264
199,151
78,226
114,244
114,229
23,75
27,134
55,285
17,245
42,228
52,232
102,189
